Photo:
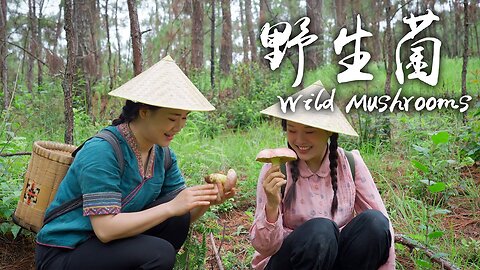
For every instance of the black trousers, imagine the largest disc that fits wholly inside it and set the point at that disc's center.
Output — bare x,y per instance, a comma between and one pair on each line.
363,244
154,249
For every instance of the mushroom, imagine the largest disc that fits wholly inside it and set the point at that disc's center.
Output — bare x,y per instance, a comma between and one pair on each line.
276,156
229,181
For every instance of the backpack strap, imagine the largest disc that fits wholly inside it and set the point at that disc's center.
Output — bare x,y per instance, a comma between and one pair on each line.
351,163
167,158
115,143
78,202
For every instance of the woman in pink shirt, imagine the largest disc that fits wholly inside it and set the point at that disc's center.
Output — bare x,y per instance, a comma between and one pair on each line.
328,218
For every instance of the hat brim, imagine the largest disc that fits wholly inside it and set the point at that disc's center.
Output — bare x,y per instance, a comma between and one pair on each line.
326,119
164,85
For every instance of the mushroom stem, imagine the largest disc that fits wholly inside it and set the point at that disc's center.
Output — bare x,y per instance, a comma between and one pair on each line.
276,161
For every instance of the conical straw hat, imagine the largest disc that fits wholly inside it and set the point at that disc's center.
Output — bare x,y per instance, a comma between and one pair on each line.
164,85
323,118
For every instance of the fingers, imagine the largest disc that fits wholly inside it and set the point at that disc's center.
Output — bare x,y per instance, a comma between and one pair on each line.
274,168
208,189
230,194
205,198
199,203
272,176
202,187
275,184
221,193
280,183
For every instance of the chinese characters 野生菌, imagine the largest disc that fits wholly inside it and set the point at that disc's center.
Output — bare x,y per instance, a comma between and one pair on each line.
278,40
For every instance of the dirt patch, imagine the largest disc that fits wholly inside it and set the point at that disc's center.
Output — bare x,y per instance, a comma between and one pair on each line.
17,253
464,221
235,225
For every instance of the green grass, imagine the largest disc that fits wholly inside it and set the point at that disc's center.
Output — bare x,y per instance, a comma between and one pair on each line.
199,156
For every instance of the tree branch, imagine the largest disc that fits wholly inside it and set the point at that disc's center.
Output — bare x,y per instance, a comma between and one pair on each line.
15,154
402,239
393,14
25,50
145,31
217,256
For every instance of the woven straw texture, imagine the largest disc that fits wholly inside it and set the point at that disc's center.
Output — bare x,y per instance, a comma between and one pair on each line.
47,167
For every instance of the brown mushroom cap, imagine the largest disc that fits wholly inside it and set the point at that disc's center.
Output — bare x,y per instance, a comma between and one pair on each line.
276,156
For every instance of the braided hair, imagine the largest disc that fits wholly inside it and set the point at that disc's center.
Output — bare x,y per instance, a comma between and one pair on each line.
130,112
333,158
295,172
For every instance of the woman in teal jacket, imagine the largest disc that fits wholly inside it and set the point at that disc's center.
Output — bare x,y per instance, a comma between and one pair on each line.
138,216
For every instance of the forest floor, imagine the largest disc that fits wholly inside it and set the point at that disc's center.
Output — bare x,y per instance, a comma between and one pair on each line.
18,254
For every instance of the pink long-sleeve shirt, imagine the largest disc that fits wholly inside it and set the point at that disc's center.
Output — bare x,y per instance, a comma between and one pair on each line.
313,199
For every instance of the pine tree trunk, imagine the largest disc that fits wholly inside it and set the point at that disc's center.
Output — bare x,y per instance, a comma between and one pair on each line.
465,53
3,54
314,53
32,45
58,29
251,33
212,46
458,30
136,37
405,30
39,53
340,20
109,48
197,34
446,48
94,19
388,47
85,57
474,19
263,17
117,34
67,83
376,50
244,33
157,17
226,43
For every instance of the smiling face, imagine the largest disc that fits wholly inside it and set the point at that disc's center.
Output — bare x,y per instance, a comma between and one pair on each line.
308,142
161,125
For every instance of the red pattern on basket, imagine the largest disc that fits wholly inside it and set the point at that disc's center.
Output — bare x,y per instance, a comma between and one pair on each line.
31,193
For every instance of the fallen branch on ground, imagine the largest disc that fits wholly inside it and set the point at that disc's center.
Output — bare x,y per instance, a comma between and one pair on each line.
217,256
410,243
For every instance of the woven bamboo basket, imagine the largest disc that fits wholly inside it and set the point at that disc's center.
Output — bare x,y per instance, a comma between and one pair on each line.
47,167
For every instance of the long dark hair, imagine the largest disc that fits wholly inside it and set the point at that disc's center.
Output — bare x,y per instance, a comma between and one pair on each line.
130,112
295,172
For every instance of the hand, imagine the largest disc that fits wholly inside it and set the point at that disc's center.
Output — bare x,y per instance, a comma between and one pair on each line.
192,197
272,184
222,196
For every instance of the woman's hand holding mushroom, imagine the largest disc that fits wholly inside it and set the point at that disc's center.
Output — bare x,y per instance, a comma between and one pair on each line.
192,197
225,184
272,184
274,179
